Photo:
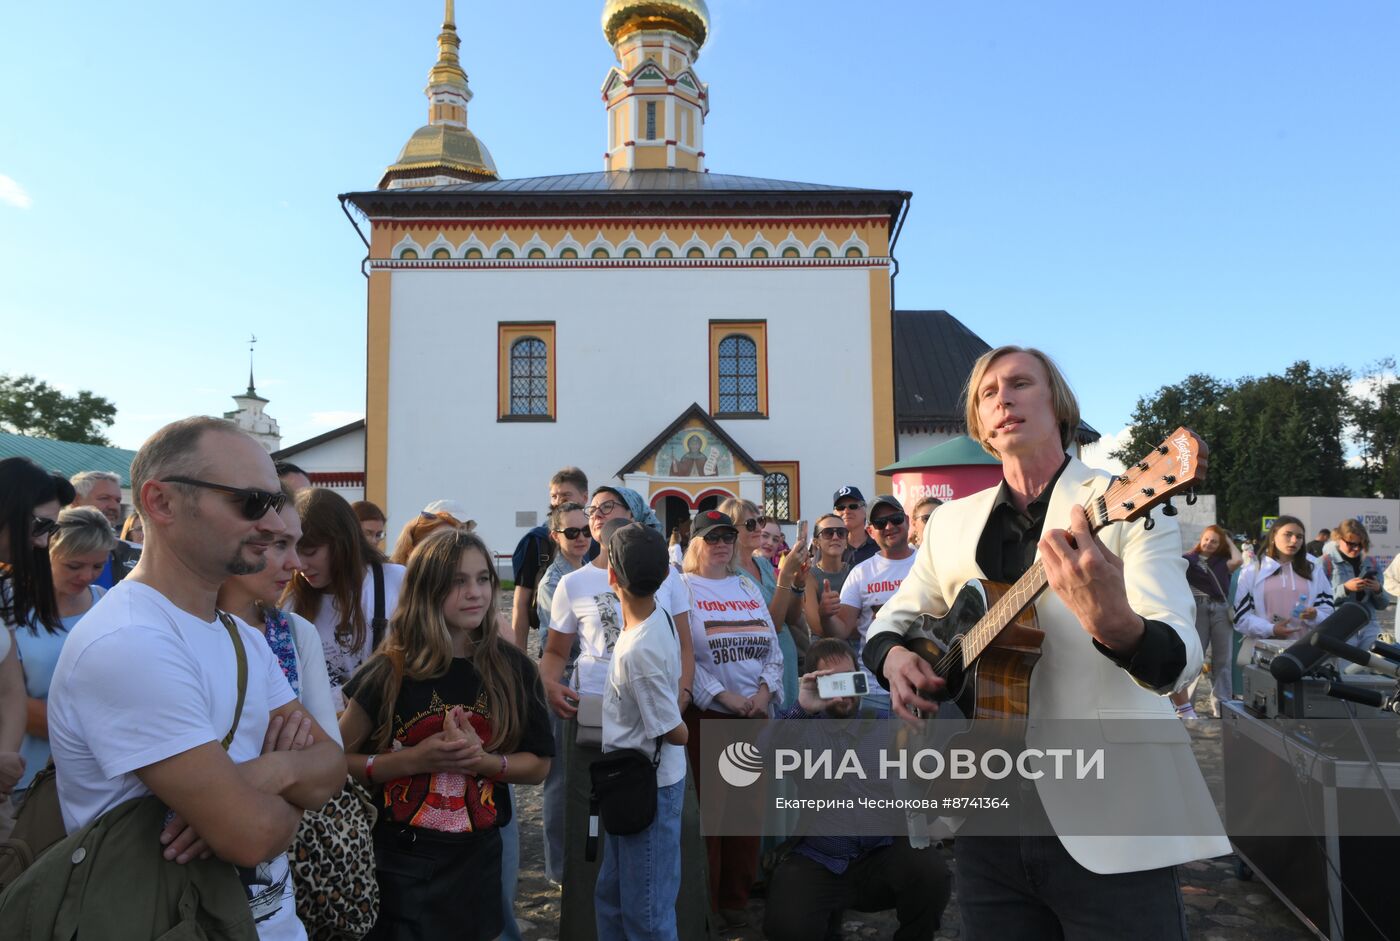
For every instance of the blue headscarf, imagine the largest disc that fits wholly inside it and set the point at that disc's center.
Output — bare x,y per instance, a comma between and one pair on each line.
641,513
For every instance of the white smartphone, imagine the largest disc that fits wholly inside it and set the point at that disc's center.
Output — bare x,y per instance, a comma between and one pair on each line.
837,685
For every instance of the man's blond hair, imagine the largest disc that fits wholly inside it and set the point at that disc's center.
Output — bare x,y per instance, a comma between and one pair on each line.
1062,400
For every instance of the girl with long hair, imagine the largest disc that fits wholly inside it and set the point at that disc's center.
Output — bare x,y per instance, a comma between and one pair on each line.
78,551
1282,592
443,715
1208,569
337,587
1355,576
30,498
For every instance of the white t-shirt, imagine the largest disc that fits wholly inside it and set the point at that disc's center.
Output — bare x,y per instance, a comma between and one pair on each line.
139,681
585,605
868,586
341,664
733,640
640,702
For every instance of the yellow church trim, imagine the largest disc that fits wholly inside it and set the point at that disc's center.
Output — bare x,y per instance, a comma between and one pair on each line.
377,388
882,375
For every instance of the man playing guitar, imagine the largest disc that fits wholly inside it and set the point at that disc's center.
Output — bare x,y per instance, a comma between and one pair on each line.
1119,636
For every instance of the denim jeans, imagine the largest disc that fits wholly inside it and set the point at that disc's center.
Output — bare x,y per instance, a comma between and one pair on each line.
555,801
510,869
641,876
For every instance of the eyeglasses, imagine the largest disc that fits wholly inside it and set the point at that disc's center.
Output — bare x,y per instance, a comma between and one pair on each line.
757,522
843,507
573,532
43,526
833,532
604,508
894,519
255,504
728,537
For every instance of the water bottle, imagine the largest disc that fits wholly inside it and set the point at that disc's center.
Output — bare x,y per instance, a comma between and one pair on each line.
1298,608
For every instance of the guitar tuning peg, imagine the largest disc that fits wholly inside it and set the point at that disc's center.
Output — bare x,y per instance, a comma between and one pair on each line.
1148,522
1191,497
1169,510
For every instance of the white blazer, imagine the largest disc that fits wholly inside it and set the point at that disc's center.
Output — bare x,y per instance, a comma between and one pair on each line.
1152,778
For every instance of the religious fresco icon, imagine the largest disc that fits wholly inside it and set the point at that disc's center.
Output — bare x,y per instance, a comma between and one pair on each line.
692,452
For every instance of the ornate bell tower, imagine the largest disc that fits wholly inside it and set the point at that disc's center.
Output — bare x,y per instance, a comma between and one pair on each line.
656,103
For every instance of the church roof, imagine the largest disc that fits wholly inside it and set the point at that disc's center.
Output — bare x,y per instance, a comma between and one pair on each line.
68,457
621,192
698,414
933,356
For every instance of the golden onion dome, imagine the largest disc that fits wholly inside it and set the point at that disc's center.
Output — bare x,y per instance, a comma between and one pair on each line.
444,150
690,18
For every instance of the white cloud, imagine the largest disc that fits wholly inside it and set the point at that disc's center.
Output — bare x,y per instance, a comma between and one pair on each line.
334,419
1096,454
12,194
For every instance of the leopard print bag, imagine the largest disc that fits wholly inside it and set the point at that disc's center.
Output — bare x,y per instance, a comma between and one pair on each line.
332,861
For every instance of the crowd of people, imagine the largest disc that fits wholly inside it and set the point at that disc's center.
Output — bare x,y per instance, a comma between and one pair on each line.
242,650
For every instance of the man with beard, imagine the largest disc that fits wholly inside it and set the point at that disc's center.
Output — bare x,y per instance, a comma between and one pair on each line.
156,692
823,875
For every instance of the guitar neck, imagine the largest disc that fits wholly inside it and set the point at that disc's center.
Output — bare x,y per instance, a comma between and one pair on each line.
1021,595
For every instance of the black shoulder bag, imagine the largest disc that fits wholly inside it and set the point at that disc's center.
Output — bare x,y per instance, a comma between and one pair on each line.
380,622
624,790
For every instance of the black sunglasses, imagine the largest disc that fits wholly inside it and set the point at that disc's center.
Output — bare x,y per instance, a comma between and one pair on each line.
833,532
894,519
573,532
843,507
757,522
726,537
43,526
255,504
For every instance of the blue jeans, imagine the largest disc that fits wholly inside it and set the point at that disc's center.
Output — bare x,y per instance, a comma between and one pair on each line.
556,799
510,869
642,905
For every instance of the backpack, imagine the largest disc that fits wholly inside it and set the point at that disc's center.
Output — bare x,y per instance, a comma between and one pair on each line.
38,826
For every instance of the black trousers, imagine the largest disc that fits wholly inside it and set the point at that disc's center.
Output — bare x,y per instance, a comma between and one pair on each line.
805,899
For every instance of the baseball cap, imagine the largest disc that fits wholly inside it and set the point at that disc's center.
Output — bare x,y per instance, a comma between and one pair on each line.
637,555
708,520
885,500
847,493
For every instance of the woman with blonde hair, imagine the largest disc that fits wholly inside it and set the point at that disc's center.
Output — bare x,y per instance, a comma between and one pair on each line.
437,722
1208,569
1355,576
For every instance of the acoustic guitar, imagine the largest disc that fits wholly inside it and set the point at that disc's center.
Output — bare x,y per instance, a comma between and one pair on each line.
987,645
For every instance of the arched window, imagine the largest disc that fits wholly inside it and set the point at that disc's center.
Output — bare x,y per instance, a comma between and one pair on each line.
738,374
529,377
777,496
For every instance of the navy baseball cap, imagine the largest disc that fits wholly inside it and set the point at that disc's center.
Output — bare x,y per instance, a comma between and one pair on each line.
637,555
847,493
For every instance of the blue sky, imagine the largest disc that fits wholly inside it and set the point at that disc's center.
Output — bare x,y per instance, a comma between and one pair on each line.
1144,190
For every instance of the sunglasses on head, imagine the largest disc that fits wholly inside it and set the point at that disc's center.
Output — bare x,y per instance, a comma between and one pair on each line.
573,532
832,532
255,503
757,522
727,537
43,526
894,519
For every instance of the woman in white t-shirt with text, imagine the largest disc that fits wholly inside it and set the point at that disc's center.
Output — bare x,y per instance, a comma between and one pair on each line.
738,674
335,589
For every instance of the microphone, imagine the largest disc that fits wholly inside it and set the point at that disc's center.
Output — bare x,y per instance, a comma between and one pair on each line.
1291,665
1346,651
1389,651
1357,694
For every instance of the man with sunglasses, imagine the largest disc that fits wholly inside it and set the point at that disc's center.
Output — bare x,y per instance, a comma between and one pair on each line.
535,551
873,582
156,692
849,504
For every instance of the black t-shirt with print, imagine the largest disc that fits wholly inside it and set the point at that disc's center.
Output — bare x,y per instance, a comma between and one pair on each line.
454,803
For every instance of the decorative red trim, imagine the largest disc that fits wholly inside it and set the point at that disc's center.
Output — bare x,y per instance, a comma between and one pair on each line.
670,81
714,492
396,223
337,478
673,143
630,143
669,492
538,263
629,83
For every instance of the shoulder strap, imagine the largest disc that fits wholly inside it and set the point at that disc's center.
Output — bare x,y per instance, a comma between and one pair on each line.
242,655
379,623
656,756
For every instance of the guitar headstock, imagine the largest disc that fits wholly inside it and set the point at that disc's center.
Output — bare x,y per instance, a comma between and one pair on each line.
1176,466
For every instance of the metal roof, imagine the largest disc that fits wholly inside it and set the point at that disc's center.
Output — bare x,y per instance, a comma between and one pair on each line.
67,457
933,356
622,191
955,452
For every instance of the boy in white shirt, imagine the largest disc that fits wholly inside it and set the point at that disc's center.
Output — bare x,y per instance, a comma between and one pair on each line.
640,712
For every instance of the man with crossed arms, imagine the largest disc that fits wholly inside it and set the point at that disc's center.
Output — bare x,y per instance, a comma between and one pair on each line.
1119,637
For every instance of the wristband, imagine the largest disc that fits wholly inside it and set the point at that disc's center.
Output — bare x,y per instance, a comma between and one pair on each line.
369,768
504,764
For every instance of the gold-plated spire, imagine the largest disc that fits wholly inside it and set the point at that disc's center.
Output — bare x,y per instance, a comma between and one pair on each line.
690,18
448,68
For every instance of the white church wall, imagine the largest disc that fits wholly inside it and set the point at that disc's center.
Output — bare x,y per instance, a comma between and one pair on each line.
631,355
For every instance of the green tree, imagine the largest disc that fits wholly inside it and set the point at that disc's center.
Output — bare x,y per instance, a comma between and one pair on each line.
1376,417
29,406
